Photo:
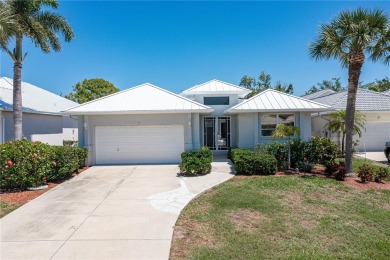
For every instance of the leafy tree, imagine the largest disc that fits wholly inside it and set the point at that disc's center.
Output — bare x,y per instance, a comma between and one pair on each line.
263,83
32,19
90,89
380,85
352,37
336,124
333,84
286,131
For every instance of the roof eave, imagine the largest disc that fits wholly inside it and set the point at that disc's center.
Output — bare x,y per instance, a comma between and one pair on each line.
140,112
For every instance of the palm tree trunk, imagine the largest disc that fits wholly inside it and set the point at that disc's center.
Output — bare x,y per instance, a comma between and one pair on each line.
354,71
17,93
343,144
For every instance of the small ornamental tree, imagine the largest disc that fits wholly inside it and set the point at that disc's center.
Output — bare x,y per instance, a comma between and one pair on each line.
286,132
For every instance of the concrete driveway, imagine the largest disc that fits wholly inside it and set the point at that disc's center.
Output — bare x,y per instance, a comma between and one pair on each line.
107,212
375,156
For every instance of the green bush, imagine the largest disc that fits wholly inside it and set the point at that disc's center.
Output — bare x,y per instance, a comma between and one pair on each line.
24,164
380,174
322,150
82,154
30,164
365,173
305,166
70,143
197,162
64,163
234,153
248,162
280,152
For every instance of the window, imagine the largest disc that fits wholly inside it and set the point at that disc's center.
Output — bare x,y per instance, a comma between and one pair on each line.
270,121
216,101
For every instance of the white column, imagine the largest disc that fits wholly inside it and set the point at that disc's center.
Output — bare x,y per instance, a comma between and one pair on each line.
305,125
188,142
255,129
1,128
195,125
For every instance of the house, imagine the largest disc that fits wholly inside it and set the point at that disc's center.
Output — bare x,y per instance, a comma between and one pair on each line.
376,108
42,119
148,124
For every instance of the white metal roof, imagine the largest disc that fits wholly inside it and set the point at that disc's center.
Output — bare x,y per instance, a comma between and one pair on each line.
271,100
34,99
216,87
366,100
142,99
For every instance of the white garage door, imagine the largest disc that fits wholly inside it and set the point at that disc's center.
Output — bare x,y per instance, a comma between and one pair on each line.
375,136
139,144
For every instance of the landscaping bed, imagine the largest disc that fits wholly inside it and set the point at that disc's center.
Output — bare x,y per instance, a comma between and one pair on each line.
293,217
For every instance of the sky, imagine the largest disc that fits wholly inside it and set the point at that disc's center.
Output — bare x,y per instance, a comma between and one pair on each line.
176,45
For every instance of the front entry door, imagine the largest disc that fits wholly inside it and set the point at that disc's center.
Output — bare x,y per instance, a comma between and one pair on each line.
216,133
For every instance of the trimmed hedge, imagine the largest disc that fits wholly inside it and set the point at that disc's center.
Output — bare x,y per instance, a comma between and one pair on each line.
196,162
30,164
247,162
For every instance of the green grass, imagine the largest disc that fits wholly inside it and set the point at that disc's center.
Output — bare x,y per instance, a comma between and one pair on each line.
6,208
284,217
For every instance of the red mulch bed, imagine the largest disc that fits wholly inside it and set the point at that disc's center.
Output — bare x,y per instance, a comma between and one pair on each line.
353,182
21,197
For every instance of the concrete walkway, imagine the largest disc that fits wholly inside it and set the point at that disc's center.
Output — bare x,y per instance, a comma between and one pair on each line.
107,212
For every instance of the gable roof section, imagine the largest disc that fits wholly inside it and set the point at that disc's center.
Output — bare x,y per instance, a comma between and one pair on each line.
366,100
34,99
216,87
271,100
142,99
318,94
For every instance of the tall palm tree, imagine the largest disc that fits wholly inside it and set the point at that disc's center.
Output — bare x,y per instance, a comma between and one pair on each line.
337,120
352,37
6,28
32,19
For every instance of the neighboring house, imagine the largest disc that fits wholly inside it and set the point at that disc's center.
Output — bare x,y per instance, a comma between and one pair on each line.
42,120
376,108
147,124
319,93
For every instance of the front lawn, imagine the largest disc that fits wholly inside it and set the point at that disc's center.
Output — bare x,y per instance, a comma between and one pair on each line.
284,217
6,208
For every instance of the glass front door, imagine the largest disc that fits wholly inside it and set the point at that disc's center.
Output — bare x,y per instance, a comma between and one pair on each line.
216,133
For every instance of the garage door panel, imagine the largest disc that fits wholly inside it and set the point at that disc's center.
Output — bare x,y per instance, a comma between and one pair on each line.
375,136
139,144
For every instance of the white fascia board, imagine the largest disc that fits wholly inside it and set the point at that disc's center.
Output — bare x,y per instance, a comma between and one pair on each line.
139,112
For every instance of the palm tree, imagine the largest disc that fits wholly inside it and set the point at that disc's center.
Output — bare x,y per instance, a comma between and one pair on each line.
6,22
352,37
34,20
336,124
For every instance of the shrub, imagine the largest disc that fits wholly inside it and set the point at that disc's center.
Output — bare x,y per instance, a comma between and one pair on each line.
305,166
238,152
64,162
196,162
322,150
24,164
365,173
280,152
341,172
380,174
30,164
298,151
248,162
82,154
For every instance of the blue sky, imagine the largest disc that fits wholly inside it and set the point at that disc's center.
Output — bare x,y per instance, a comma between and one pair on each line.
176,45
